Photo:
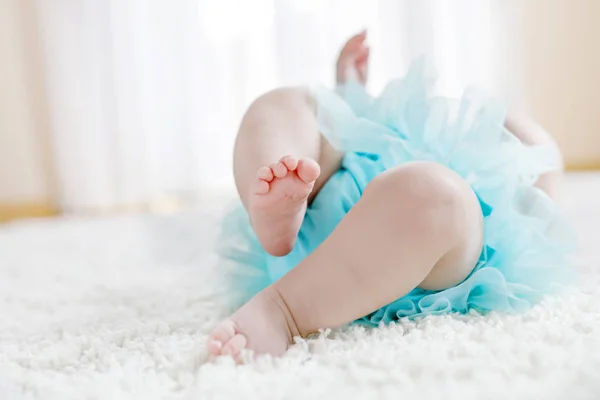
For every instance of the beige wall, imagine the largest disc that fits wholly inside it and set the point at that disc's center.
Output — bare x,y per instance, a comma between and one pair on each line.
561,49
24,176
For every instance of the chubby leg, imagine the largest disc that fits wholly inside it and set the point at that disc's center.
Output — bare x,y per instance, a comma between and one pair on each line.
280,161
416,225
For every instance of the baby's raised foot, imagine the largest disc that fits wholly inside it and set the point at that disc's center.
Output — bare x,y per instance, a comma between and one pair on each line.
278,202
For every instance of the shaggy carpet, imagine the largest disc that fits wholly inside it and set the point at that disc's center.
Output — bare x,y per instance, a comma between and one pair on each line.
120,308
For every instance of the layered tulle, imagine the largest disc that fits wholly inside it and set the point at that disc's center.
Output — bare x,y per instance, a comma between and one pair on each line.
527,241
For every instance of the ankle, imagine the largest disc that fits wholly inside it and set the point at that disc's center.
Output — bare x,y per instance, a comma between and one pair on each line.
274,296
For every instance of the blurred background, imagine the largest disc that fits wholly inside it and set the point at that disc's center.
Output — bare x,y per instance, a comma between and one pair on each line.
119,105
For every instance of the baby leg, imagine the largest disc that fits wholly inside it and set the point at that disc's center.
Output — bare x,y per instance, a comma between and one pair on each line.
416,225
280,162
530,133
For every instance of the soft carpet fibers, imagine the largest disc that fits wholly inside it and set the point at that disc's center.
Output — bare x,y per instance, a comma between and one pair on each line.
120,308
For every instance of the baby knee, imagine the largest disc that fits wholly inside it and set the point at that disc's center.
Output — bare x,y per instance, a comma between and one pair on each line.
423,183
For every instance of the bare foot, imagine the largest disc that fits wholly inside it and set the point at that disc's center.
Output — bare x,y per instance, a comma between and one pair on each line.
263,325
278,202
353,60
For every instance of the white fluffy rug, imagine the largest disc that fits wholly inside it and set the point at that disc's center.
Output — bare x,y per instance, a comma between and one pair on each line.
120,309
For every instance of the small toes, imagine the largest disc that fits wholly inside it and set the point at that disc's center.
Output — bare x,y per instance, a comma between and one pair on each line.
223,332
290,162
265,174
279,170
234,346
308,170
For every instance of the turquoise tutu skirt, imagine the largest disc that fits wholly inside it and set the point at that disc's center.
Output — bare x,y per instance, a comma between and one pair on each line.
526,240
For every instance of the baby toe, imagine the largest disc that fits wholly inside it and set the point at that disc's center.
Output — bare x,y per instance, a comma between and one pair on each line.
215,347
262,187
291,162
308,170
265,174
279,170
223,332
234,346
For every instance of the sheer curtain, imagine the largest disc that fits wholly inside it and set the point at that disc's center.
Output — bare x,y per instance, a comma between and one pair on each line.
145,96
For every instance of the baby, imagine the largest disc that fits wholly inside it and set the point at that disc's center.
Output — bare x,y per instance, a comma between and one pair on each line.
373,209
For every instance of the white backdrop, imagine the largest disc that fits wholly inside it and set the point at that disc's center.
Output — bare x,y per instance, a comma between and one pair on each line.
146,95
